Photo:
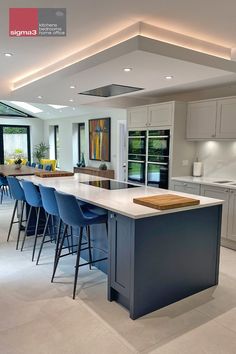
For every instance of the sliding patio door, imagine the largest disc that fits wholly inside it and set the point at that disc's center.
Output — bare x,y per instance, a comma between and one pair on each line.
14,142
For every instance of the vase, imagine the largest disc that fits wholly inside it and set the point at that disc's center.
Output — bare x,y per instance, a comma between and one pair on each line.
17,166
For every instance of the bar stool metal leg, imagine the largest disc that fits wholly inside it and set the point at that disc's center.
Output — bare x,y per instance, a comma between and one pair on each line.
36,232
59,252
26,228
20,222
77,262
43,239
12,219
89,247
57,241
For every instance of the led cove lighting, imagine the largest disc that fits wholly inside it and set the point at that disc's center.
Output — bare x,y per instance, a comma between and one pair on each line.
27,106
127,70
8,54
57,106
168,77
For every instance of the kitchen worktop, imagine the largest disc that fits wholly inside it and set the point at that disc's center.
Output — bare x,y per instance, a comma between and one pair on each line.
211,181
118,201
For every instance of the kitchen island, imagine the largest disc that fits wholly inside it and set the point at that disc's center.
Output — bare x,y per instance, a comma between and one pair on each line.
155,257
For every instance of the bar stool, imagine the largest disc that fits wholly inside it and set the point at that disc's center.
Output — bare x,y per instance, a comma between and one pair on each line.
19,196
33,198
74,216
50,206
33,164
28,164
40,166
4,188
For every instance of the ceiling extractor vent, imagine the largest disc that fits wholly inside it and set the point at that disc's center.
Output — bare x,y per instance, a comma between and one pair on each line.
110,90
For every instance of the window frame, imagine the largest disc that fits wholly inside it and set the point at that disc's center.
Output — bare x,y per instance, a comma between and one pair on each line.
2,126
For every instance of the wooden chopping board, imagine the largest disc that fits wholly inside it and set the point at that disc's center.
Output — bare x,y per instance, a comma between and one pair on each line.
166,201
45,174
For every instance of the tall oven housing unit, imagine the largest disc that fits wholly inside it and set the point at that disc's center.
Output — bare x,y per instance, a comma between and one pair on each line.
157,145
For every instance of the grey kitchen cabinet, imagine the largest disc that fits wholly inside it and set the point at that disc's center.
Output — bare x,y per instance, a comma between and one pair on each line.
201,120
160,114
138,117
156,115
186,187
223,194
232,216
226,118
212,119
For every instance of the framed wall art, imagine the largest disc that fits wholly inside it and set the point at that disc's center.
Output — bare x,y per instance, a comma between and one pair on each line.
99,139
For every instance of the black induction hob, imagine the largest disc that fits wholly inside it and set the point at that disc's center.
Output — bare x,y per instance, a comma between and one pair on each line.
109,184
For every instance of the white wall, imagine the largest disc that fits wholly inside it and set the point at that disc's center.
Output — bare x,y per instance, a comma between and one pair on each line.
36,128
218,157
67,143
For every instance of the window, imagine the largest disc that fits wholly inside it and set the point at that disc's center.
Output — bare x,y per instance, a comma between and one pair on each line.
81,140
56,144
14,142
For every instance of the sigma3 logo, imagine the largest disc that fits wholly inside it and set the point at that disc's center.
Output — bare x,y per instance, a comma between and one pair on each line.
16,33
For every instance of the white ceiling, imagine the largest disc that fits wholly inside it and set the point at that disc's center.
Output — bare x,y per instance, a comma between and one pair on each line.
89,21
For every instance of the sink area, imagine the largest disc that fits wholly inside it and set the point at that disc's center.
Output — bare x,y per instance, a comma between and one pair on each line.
223,182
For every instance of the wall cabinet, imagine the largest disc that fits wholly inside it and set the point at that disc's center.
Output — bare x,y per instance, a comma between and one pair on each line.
137,117
226,118
186,187
156,115
201,120
212,119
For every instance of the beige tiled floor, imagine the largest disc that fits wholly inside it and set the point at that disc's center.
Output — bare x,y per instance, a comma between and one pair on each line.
39,317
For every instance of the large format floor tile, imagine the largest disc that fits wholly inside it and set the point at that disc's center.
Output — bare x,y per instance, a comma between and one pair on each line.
39,317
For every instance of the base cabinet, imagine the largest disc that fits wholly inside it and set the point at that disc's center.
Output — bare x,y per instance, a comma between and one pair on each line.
185,187
228,231
232,216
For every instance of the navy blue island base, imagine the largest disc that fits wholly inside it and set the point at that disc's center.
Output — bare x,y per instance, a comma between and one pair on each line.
156,261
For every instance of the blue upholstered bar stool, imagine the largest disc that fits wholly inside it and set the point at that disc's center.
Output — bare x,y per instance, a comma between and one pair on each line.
3,186
34,200
40,166
19,197
50,206
33,164
75,216
28,164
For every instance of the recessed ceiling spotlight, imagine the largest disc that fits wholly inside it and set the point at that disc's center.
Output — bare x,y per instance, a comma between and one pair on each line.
73,108
72,86
8,54
168,77
40,97
71,100
127,70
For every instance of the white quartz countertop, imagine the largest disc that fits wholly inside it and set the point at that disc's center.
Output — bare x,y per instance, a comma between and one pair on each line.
119,201
211,181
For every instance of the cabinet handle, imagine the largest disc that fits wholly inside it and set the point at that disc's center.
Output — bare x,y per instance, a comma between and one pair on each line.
213,135
185,184
226,190
232,192
112,216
